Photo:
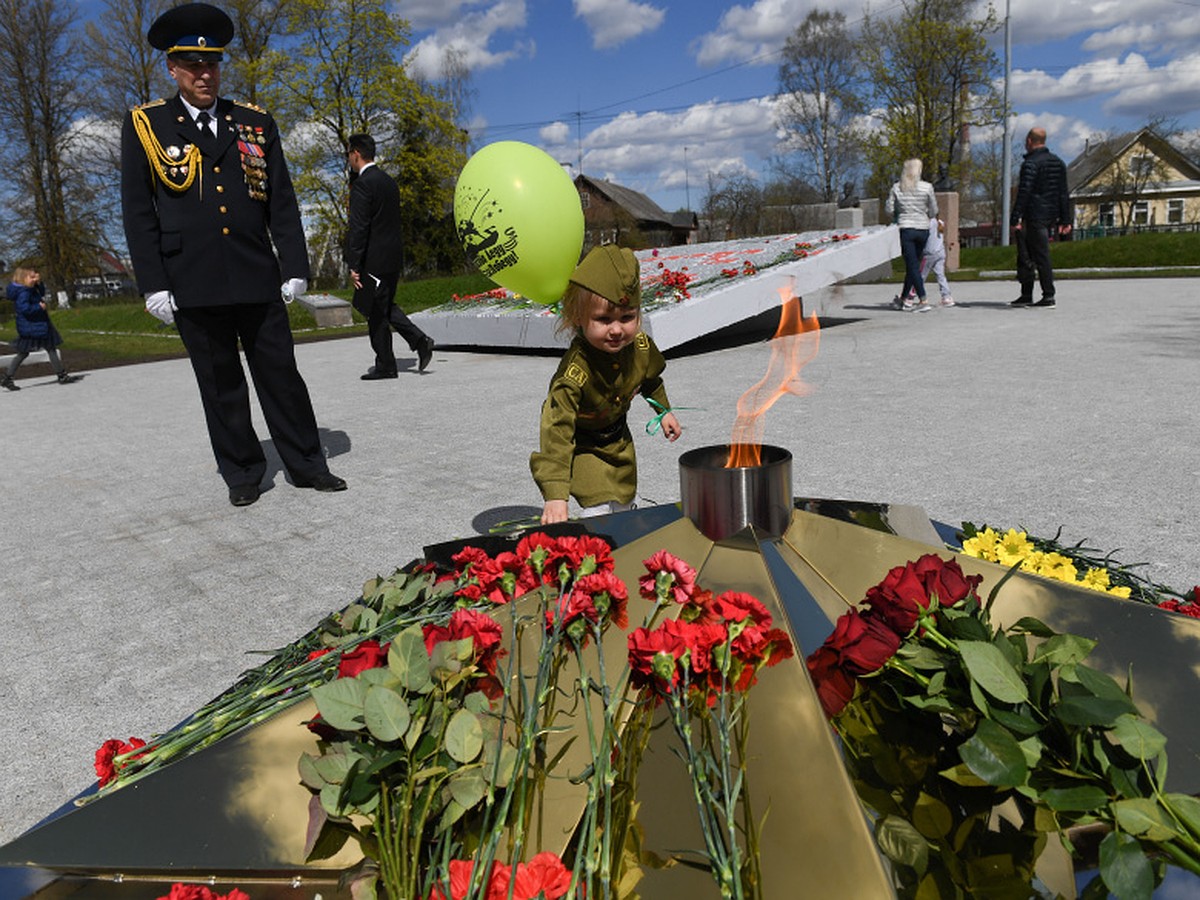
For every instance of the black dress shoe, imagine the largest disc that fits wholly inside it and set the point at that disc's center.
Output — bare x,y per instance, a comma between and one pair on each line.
1022,301
326,482
1046,302
376,376
243,494
424,353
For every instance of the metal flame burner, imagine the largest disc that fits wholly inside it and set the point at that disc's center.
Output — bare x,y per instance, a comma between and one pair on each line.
722,501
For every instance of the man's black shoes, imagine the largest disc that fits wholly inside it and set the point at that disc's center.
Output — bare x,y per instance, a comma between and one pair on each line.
1022,301
1046,303
326,482
243,494
424,353
374,375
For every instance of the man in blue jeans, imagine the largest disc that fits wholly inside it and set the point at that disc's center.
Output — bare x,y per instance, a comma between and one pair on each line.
1043,204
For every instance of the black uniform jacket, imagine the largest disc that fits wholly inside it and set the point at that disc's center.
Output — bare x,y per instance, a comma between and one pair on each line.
201,226
373,237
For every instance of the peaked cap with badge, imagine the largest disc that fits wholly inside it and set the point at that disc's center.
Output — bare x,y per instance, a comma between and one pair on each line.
611,272
193,31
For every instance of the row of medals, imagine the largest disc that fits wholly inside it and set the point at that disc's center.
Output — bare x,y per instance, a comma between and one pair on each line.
254,167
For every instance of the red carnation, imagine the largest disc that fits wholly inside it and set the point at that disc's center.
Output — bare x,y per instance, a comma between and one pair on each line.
106,769
654,655
675,578
484,631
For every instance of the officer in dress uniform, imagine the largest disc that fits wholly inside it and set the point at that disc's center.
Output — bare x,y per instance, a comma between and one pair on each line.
205,192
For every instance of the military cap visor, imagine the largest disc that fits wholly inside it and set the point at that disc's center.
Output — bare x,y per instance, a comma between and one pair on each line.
196,31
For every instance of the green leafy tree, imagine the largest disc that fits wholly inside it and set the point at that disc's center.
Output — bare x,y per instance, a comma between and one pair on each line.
338,71
820,95
257,25
932,75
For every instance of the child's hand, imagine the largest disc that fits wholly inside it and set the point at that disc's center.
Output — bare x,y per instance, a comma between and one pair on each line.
554,511
670,427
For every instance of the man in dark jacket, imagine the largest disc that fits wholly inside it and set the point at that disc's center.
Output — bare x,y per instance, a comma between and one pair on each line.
1043,204
205,192
373,253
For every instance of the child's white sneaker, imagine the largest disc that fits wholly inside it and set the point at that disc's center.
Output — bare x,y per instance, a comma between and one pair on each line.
948,301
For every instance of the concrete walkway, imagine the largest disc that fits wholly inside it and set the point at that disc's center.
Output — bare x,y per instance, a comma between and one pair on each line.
133,592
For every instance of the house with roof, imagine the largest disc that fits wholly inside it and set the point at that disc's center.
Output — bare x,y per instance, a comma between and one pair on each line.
613,214
1132,180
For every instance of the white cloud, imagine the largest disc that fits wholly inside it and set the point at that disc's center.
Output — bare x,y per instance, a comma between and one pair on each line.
555,134
1173,89
750,32
472,34
1036,21
613,22
428,14
1091,79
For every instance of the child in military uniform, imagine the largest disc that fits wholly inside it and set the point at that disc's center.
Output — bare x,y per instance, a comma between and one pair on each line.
586,448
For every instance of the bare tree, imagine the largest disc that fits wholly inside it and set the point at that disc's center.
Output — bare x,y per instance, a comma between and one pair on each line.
820,95
1128,167
43,146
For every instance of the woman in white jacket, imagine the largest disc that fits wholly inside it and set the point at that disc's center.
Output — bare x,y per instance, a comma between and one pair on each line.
911,204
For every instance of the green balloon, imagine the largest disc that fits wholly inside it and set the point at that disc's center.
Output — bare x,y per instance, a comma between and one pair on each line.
519,219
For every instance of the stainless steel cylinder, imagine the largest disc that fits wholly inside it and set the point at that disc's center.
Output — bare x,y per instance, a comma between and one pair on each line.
722,501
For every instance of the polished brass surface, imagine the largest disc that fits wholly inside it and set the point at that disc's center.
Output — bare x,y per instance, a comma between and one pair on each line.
236,806
815,841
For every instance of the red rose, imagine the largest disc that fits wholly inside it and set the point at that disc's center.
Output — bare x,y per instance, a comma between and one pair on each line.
835,687
944,579
367,655
1184,609
899,598
317,654
863,643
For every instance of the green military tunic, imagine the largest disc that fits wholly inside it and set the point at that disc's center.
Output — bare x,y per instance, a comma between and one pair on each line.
586,449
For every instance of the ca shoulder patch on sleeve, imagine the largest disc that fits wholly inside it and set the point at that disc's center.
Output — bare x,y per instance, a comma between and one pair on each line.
642,341
575,374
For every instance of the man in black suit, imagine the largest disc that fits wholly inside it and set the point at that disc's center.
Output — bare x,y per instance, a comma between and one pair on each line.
373,253
205,191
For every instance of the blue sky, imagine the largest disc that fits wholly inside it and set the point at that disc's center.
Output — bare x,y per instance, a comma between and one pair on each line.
658,94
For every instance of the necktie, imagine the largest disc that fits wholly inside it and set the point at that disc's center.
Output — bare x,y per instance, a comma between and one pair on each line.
202,121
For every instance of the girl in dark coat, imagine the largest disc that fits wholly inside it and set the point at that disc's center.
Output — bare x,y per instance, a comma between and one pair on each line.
35,331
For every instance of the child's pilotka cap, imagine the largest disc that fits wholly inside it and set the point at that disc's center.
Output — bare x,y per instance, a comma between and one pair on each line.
612,272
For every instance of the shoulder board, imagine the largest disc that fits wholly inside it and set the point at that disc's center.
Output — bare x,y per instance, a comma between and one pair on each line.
151,104
244,105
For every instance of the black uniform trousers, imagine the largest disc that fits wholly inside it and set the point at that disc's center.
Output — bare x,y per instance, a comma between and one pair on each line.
1033,259
211,335
377,303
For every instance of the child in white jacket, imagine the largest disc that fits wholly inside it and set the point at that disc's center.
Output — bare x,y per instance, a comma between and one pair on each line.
934,257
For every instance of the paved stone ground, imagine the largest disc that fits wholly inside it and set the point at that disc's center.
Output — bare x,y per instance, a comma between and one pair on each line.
133,592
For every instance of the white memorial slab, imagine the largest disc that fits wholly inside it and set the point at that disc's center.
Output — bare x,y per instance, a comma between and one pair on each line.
688,291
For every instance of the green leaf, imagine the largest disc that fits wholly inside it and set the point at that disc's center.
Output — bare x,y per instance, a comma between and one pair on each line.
468,787
340,703
1124,867
1101,684
1084,710
386,714
902,843
1142,816
1033,626
995,674
332,768
995,756
1188,810
409,661
932,817
464,736
309,776
962,775
1016,722
1077,799
1138,737
1064,649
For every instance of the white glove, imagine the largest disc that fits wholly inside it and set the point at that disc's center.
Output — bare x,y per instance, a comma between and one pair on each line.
293,288
161,305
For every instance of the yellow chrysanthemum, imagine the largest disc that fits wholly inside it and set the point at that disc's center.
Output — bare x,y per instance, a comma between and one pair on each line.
1096,579
1033,562
983,545
1013,547
1122,592
1055,565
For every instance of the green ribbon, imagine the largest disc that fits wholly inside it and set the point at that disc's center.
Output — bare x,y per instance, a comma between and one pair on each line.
653,426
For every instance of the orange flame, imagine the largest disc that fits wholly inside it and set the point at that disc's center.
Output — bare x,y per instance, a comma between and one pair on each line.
793,347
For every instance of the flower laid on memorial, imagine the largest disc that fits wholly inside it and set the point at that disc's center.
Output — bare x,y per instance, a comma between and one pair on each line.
1077,565
437,748
971,745
180,891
